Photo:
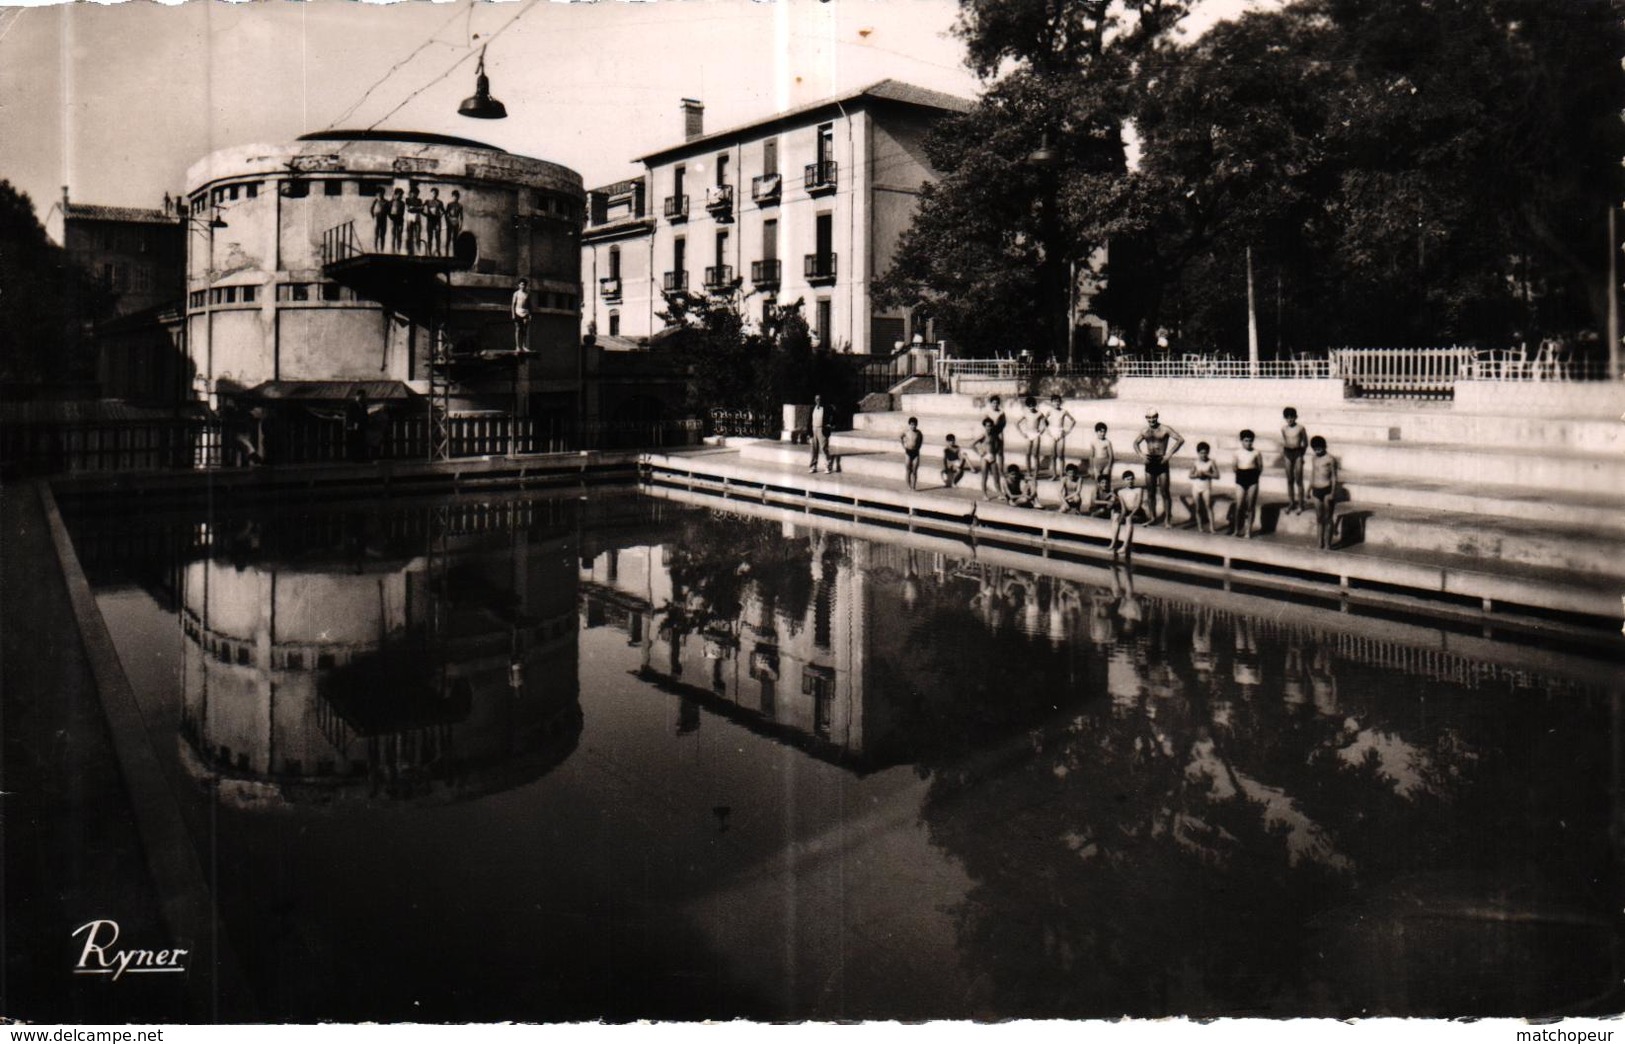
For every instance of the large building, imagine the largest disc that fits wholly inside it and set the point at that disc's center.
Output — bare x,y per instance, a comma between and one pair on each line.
807,205
137,254
292,280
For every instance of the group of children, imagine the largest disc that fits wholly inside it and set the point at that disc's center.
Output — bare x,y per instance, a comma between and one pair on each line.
1046,431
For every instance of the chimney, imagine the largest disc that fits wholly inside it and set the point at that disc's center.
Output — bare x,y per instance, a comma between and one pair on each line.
693,119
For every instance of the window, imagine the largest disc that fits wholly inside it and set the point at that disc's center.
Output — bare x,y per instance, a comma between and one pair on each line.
615,262
722,169
293,292
219,195
679,254
251,189
825,321
235,189
331,292
824,234
677,176
249,293
770,156
614,324
333,187
722,247
826,143
296,188
770,305
770,240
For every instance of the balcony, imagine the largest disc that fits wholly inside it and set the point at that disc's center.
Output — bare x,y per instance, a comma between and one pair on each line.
719,277
821,177
610,288
677,208
673,281
819,268
719,201
764,189
766,274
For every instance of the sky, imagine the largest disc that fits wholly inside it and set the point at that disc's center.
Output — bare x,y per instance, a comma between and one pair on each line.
117,100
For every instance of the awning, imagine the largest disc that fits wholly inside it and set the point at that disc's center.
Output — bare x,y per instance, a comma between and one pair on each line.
321,392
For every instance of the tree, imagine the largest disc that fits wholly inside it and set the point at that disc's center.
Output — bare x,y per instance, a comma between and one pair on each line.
992,243
1404,171
46,302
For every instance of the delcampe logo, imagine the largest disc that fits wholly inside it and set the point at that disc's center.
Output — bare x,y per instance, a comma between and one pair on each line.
100,958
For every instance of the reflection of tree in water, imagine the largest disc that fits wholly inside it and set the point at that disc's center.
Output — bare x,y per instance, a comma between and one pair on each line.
1173,813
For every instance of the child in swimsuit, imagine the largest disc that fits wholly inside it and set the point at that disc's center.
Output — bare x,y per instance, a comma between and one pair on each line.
1249,466
1072,491
996,418
1323,470
1203,472
1019,489
953,463
1059,424
1125,502
1101,459
1294,438
1031,424
912,441
985,460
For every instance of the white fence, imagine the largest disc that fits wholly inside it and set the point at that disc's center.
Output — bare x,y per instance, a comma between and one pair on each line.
1395,372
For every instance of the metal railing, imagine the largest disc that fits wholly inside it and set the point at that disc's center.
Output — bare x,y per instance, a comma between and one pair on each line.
610,287
766,273
743,423
676,208
719,198
765,187
340,243
672,281
718,276
819,267
822,176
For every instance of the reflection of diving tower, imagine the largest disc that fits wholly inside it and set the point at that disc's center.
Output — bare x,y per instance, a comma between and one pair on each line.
432,679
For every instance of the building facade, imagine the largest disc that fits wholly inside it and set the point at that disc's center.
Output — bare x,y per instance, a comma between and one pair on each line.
292,276
136,253
806,206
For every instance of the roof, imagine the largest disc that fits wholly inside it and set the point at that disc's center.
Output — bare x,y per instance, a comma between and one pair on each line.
413,137
883,90
137,215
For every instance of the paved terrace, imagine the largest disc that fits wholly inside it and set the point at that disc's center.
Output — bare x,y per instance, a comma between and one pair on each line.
1505,500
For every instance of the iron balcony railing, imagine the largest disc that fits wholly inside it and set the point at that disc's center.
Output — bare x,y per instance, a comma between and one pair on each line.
674,281
821,176
764,188
677,208
340,243
766,273
819,268
610,287
718,276
719,199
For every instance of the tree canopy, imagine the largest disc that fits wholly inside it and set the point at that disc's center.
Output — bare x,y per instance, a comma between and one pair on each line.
1402,172
45,300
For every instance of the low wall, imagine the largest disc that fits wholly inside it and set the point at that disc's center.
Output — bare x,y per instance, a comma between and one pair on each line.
1234,391
1600,399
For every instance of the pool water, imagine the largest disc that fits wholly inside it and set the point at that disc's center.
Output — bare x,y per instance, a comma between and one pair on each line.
557,758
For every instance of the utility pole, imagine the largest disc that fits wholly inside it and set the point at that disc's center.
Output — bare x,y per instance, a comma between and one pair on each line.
1252,319
1614,247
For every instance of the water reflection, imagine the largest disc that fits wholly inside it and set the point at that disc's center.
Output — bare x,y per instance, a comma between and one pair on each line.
343,664
1109,793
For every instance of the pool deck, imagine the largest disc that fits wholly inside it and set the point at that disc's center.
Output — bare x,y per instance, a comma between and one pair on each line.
1431,581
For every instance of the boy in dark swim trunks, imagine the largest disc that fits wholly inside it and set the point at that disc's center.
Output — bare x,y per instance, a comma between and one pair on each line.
1020,490
995,420
953,462
1249,466
1294,438
982,451
912,441
1101,459
1323,487
1156,444
1125,503
1072,491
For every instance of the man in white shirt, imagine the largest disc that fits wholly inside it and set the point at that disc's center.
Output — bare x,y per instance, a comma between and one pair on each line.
520,311
820,435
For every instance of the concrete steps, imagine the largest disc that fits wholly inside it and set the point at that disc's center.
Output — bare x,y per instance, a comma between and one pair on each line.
1465,520
1360,452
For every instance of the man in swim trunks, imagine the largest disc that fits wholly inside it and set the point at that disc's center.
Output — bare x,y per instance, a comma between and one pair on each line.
1156,444
1249,466
1323,469
1059,425
1294,440
985,462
